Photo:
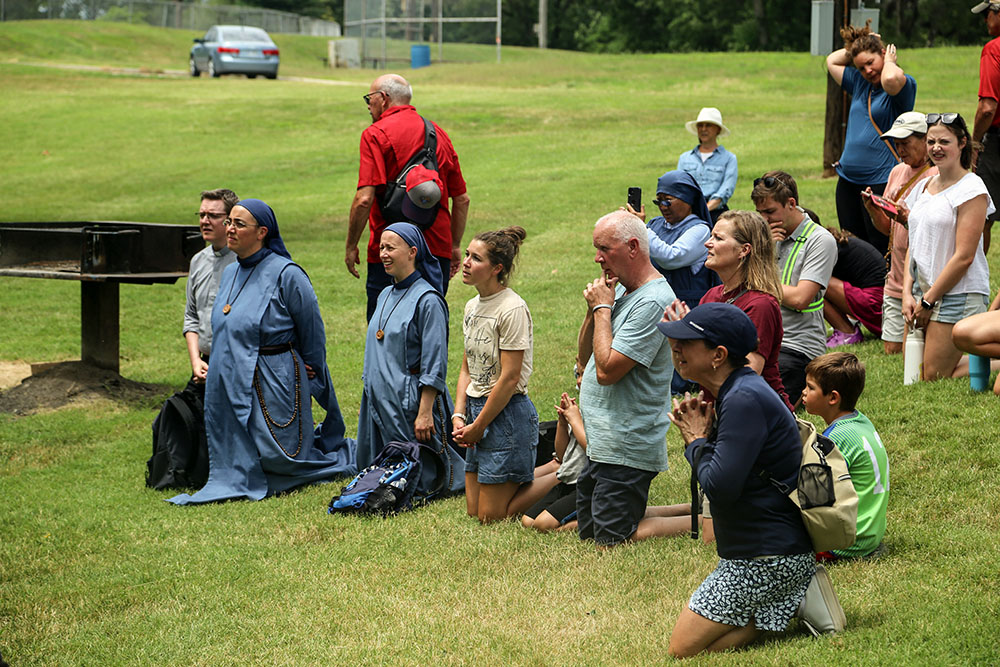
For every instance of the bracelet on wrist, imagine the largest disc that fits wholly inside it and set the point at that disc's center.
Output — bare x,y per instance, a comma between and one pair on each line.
601,305
458,415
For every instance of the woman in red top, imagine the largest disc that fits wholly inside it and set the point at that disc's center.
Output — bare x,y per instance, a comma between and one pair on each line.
741,251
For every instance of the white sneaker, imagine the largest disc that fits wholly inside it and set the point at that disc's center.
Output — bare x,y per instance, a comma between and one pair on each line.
820,610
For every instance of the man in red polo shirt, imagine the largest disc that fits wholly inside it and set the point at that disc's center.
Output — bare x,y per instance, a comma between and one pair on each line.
986,128
396,133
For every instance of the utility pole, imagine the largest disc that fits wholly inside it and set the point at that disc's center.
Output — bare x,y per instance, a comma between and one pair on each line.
543,23
836,102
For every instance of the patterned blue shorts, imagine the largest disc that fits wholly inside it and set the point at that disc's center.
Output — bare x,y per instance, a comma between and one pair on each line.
767,591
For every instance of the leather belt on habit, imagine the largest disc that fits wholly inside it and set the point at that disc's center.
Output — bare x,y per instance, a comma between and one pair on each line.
269,350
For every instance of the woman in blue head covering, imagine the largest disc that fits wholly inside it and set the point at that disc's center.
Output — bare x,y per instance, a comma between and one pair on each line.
406,354
268,362
677,236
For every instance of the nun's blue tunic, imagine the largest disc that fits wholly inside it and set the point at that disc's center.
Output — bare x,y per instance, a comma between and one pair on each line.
258,407
412,354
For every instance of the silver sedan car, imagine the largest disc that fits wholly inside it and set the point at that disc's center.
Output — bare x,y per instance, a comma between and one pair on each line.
234,49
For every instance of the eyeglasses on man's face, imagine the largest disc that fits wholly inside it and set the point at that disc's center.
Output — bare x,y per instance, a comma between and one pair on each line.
368,98
210,215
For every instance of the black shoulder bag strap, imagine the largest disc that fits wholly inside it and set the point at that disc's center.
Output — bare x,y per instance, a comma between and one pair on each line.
428,150
695,496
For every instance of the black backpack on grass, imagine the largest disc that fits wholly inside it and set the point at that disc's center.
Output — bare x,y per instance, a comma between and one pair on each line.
180,450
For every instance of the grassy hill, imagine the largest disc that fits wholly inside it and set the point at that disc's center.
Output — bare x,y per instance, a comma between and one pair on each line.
96,569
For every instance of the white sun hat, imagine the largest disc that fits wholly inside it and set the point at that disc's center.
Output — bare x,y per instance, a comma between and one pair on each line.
707,115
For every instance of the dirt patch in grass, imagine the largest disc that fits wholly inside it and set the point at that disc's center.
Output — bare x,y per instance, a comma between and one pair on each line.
12,372
71,383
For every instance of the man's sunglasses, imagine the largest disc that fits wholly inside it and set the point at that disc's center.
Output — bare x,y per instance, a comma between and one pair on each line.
768,181
368,98
946,118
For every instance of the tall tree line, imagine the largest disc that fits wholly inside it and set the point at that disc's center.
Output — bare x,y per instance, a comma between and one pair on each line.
657,26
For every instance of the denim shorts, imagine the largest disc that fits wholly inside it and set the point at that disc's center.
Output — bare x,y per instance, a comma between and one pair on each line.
954,307
951,308
507,451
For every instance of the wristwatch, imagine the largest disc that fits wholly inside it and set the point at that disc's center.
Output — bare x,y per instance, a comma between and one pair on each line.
926,305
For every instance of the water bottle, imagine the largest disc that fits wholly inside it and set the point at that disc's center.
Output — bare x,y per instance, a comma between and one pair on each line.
913,356
979,372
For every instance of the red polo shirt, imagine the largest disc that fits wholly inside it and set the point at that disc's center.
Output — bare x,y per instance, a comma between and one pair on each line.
386,146
989,74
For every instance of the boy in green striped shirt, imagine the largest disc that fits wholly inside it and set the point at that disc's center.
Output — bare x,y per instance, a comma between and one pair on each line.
834,381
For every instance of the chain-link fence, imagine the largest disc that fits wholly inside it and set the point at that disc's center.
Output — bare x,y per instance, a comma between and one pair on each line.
387,29
186,15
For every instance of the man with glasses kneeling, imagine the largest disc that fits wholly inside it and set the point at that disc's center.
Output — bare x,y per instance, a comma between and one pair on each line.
180,457
203,280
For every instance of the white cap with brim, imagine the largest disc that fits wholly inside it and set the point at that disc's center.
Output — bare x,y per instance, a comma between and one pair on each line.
907,124
707,115
983,6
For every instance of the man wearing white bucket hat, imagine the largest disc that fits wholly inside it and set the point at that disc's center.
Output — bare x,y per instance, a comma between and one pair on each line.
712,166
986,127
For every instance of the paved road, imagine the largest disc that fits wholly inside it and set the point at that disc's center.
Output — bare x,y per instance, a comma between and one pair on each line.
169,73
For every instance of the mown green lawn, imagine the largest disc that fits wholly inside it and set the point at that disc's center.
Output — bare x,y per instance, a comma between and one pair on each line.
96,569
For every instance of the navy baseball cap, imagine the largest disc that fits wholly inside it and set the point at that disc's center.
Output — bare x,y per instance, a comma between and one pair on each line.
718,323
423,194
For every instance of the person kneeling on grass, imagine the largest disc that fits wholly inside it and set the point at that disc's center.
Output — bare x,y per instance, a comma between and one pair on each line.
834,382
766,556
494,418
557,510
855,290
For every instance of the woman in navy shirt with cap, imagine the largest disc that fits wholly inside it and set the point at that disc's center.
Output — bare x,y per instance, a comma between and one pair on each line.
765,554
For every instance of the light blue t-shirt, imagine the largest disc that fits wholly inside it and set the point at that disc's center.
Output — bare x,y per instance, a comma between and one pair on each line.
626,422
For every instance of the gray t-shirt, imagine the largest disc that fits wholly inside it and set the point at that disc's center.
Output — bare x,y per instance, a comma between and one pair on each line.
574,459
809,253
627,422
202,284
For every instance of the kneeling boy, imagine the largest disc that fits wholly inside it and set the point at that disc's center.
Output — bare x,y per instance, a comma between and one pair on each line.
834,382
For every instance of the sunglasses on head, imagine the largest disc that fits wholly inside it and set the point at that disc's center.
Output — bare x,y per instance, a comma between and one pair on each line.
769,181
945,118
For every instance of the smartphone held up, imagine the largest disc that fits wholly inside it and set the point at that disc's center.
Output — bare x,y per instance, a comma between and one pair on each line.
634,198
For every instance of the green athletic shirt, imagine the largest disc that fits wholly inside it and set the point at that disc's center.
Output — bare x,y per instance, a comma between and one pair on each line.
869,467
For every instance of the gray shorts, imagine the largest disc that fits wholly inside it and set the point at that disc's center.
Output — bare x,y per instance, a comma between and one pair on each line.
892,319
765,590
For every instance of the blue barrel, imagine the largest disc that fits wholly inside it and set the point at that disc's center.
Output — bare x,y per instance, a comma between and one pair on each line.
420,56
